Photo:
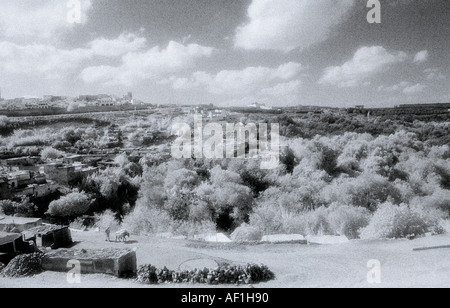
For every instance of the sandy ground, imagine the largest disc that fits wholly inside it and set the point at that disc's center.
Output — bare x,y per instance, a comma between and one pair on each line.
295,266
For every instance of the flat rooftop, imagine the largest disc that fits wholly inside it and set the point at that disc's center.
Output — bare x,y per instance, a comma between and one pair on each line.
6,238
18,220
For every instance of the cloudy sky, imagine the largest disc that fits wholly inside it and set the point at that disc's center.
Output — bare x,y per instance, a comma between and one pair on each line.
228,52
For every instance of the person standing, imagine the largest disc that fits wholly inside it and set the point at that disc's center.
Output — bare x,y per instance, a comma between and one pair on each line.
108,232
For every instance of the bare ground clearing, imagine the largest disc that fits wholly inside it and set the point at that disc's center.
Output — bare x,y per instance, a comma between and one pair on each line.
295,266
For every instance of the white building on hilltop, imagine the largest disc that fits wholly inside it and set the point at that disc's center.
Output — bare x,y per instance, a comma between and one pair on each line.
260,106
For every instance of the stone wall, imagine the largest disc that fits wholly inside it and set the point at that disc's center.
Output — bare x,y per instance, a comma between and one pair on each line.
119,263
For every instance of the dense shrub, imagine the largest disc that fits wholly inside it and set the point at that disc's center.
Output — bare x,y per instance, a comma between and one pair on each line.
145,220
246,233
392,221
72,205
191,228
434,217
78,224
24,266
61,145
314,222
106,220
111,189
21,209
445,226
4,121
367,190
51,153
28,138
336,220
348,220
8,207
267,218
440,200
229,274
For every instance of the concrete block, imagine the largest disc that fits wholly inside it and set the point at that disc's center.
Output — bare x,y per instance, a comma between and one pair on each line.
115,262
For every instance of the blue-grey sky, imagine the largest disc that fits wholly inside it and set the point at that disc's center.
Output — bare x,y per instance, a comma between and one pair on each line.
228,52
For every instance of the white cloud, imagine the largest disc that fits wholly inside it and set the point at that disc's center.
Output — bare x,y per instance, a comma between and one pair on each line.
414,89
283,89
49,62
366,62
126,42
143,65
396,87
239,82
289,24
421,57
37,19
406,87
44,61
434,74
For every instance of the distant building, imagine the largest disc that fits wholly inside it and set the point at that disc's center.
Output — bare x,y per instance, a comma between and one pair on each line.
73,159
129,96
254,105
37,105
259,106
20,161
25,183
65,173
217,114
53,98
92,98
105,102
19,179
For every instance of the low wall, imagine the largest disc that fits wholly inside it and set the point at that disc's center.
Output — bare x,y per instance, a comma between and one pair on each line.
119,263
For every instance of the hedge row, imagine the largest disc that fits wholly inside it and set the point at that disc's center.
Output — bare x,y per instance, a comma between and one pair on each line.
250,273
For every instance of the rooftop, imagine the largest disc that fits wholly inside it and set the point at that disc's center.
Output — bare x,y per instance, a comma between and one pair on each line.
45,229
8,237
18,220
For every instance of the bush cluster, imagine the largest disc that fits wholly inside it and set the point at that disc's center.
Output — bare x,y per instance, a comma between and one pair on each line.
335,220
230,274
24,265
392,221
72,205
21,209
246,233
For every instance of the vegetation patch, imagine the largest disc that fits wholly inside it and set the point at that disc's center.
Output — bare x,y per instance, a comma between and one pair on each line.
24,266
229,274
